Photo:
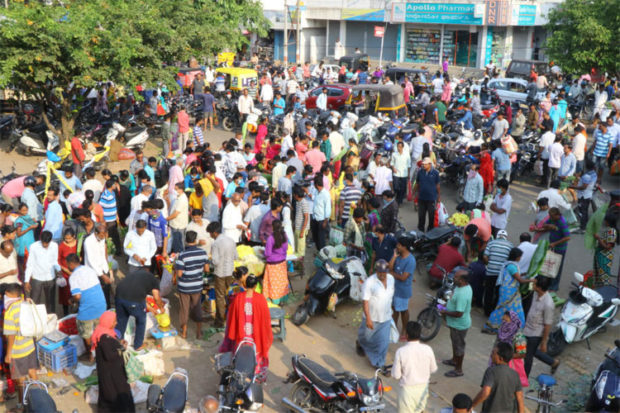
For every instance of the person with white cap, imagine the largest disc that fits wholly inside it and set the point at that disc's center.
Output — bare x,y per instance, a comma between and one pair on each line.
373,337
428,191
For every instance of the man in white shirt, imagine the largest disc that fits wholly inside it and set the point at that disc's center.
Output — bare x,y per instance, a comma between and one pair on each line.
401,162
266,94
413,365
556,200
178,218
556,150
500,127
291,88
373,337
321,100
8,263
528,249
546,140
92,183
579,147
245,104
232,219
437,84
96,257
501,207
336,140
199,226
383,177
287,143
41,270
140,246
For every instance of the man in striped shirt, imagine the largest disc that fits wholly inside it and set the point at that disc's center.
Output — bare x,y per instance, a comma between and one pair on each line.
110,214
495,255
189,267
349,195
602,148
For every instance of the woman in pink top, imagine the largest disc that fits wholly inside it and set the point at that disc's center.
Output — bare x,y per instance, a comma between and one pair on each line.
447,90
259,142
301,147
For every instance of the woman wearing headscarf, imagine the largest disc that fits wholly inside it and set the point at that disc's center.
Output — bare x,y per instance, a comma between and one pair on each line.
114,391
249,319
511,325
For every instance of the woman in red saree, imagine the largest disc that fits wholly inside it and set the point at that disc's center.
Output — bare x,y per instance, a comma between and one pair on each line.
249,319
261,134
486,168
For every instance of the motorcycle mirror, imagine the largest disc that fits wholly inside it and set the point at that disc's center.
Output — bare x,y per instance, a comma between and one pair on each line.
578,277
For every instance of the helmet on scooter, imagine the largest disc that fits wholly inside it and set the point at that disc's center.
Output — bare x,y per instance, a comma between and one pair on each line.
388,145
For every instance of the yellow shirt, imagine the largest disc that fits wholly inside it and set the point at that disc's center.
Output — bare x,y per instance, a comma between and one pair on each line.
22,346
195,202
207,186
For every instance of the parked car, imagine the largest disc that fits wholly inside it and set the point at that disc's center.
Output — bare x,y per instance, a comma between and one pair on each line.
521,68
337,95
512,89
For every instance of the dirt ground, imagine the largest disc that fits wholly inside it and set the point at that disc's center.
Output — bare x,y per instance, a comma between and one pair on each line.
330,341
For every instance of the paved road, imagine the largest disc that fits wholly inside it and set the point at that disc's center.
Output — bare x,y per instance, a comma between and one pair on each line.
331,341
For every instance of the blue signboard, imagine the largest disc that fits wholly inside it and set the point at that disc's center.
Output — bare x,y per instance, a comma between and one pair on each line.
441,13
527,15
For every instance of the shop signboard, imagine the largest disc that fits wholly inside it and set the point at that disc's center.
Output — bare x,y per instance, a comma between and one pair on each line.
438,13
499,12
524,14
368,15
379,31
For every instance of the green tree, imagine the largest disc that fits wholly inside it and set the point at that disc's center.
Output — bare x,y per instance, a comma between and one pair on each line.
584,34
51,52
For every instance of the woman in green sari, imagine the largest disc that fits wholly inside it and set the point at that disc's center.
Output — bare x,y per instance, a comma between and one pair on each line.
604,250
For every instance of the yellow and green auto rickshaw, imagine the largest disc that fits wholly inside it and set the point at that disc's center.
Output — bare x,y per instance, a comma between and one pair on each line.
372,99
238,78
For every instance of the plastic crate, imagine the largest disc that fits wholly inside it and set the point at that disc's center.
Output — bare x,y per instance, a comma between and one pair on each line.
59,359
49,345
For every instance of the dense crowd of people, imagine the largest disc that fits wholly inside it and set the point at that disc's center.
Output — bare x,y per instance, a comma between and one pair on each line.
195,205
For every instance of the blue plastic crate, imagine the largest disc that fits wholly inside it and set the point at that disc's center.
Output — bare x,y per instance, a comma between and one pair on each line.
58,359
49,345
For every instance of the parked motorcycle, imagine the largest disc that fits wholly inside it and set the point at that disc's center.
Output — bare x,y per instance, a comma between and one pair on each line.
37,144
430,318
239,391
318,390
227,113
331,278
172,397
605,388
136,137
37,399
426,244
586,312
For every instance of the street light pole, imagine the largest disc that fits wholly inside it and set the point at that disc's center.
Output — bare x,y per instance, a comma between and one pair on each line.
285,41
298,45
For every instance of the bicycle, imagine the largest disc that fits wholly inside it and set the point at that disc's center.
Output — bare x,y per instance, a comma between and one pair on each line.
545,394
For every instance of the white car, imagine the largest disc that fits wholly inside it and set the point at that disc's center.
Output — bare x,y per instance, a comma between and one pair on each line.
512,89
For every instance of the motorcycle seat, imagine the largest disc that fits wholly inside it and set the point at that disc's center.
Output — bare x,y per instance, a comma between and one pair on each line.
135,131
174,396
545,379
316,373
40,401
245,360
439,232
607,292
408,129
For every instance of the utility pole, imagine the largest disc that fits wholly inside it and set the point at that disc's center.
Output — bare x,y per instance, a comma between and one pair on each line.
298,45
285,42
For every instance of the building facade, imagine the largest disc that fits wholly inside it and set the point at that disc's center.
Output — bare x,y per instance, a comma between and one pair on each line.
469,34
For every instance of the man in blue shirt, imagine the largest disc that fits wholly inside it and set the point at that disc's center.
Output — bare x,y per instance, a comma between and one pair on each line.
278,104
321,211
402,268
383,245
53,215
427,188
502,163
467,118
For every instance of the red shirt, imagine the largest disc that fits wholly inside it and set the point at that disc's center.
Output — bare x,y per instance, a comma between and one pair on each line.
183,121
76,149
448,258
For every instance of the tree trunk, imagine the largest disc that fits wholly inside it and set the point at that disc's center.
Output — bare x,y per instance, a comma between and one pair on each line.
67,121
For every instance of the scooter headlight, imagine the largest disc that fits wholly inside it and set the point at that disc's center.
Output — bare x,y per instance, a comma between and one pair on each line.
367,400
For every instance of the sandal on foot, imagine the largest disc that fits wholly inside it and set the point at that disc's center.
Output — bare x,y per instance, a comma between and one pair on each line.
448,362
454,373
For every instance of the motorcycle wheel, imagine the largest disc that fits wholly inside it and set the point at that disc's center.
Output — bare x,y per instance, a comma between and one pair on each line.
301,315
302,395
152,397
556,343
430,320
228,124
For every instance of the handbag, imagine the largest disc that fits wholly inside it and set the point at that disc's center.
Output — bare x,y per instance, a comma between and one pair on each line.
538,167
551,264
394,334
133,366
518,366
32,319
519,343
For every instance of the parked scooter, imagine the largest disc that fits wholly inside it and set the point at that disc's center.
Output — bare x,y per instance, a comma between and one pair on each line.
317,390
239,389
172,397
605,388
586,312
331,278
31,144
135,137
37,399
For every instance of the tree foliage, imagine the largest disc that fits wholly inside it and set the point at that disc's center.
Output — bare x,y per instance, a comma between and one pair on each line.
585,34
75,44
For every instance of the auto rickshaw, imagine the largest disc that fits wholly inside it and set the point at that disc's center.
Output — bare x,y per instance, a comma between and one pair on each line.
354,62
371,99
238,78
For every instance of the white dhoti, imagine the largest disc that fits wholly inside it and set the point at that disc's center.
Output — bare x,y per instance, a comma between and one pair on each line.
412,399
